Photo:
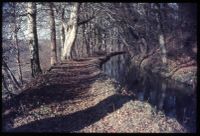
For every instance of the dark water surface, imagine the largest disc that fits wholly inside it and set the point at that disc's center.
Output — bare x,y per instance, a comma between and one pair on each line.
175,99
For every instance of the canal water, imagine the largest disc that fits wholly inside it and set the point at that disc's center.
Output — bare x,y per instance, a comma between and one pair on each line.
175,99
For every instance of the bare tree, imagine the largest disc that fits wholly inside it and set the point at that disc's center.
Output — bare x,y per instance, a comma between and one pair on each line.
162,34
70,31
33,40
62,35
53,35
15,37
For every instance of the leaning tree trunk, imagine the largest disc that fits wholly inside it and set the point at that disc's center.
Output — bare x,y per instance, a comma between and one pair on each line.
33,40
10,76
4,84
53,36
70,32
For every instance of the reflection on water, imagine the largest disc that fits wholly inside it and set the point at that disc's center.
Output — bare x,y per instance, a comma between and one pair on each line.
175,99
116,67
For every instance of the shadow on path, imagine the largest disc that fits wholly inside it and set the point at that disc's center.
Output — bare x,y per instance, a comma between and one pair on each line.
44,95
78,120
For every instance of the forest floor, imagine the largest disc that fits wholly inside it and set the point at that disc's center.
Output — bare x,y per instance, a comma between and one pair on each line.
77,97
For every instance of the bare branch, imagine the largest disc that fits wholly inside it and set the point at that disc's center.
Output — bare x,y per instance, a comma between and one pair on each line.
86,21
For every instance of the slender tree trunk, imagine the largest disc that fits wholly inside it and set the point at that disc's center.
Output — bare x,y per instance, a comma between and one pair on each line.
84,41
70,32
99,39
53,36
18,59
162,36
62,36
163,49
6,70
4,83
33,40
87,38
96,40
17,46
162,97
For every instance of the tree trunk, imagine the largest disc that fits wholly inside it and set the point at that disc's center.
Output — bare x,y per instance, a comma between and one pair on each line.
6,71
53,36
17,46
84,40
33,40
162,96
70,32
162,36
62,36
5,84
18,58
